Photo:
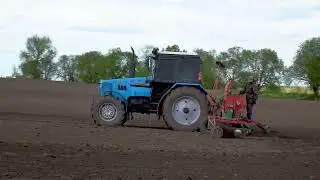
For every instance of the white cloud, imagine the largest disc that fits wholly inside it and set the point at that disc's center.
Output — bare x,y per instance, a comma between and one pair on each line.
220,24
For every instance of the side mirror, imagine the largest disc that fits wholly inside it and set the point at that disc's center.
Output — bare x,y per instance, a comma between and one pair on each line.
155,51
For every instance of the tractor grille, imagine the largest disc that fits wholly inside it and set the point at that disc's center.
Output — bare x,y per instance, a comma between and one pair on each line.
121,87
105,89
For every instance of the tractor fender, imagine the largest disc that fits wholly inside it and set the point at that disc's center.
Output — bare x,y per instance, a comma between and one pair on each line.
119,97
197,86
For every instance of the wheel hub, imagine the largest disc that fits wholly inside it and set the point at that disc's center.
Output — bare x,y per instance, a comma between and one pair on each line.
107,112
186,110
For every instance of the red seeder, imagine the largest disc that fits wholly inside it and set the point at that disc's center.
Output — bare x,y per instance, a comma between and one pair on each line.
229,114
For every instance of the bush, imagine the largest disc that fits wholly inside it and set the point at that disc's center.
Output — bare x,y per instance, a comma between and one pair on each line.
273,88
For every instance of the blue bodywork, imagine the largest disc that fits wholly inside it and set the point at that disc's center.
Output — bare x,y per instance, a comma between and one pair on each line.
124,88
138,87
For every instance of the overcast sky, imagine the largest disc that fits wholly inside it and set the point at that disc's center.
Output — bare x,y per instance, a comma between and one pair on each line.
77,26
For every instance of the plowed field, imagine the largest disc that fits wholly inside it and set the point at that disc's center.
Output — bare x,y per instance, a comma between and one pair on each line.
45,134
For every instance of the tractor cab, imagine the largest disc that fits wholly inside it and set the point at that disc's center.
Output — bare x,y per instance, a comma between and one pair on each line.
174,67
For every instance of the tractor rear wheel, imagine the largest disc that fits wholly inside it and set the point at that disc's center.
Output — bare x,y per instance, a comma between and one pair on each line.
185,109
109,111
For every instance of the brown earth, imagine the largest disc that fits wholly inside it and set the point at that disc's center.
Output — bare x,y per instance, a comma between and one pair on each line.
45,134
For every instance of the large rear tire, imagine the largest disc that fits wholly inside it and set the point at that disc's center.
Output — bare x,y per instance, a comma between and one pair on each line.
185,109
108,111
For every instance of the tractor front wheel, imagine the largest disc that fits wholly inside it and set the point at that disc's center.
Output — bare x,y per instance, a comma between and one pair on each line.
108,111
185,109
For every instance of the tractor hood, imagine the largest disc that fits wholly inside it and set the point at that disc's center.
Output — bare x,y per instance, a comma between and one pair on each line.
128,81
123,85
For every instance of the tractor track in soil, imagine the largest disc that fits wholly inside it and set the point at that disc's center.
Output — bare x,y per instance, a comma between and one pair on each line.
45,133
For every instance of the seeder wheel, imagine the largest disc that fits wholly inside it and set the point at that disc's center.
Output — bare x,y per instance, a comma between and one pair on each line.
216,132
265,128
259,130
241,132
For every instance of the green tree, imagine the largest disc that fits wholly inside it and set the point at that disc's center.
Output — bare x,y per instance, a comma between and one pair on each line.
235,60
146,51
287,76
173,48
242,65
202,53
266,66
94,66
208,67
142,71
87,66
66,68
37,58
306,66
118,63
15,72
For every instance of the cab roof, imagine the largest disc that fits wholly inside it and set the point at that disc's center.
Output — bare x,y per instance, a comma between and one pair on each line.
178,53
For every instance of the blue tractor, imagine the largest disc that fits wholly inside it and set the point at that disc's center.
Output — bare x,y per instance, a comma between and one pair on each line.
173,91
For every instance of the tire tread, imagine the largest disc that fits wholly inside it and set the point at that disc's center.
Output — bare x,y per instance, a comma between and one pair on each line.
121,114
168,102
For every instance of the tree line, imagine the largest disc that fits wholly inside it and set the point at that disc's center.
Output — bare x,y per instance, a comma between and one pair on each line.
39,61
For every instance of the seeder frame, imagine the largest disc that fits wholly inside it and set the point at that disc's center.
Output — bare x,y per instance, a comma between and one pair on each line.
238,125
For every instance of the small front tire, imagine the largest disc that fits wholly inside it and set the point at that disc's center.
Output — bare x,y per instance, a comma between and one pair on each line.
109,111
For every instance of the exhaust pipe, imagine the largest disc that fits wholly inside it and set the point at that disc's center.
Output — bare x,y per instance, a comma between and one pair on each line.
132,65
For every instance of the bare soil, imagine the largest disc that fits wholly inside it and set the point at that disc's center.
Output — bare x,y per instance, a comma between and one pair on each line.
45,133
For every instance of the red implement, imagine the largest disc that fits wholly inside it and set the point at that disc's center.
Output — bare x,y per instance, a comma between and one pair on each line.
229,114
